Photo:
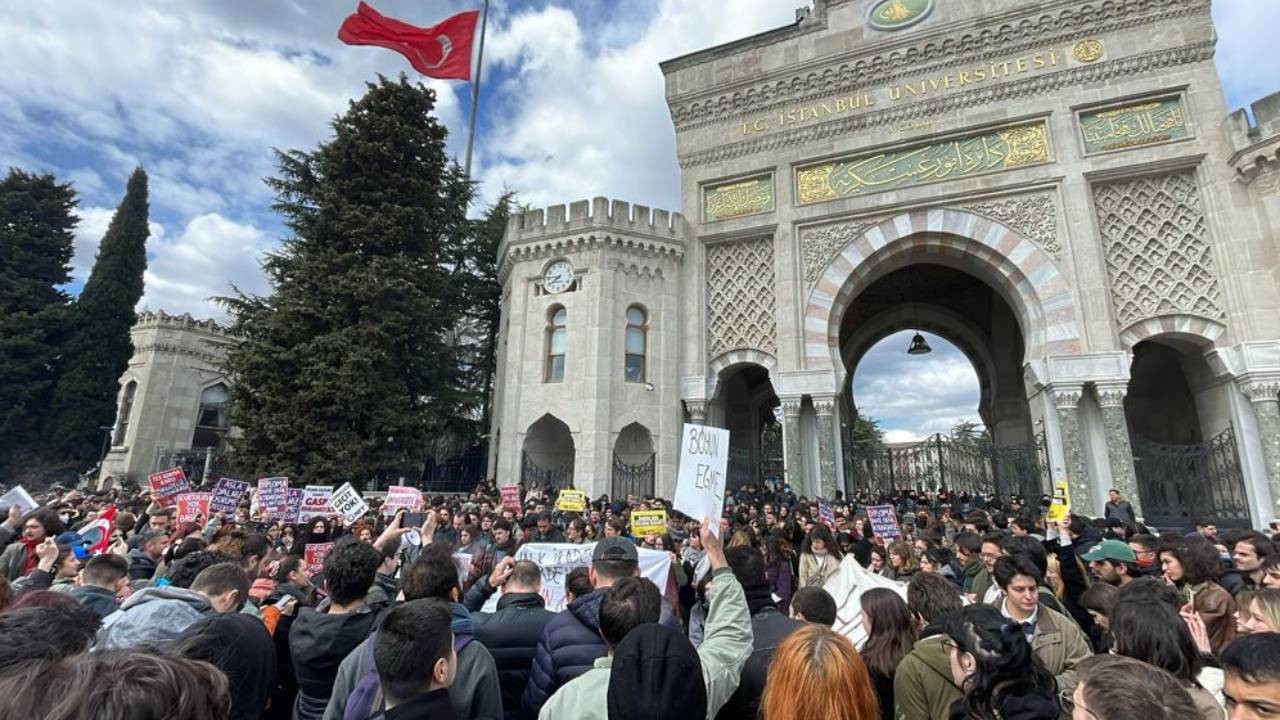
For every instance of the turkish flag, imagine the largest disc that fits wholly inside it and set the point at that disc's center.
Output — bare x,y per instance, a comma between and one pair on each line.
97,534
442,51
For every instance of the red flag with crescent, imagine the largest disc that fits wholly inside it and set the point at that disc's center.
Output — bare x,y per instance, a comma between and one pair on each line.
442,51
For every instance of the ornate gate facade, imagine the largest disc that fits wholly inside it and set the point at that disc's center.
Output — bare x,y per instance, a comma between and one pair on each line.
943,463
1180,483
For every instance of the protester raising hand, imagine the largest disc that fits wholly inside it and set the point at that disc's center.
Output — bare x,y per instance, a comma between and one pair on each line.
47,554
501,572
713,546
395,530
1195,624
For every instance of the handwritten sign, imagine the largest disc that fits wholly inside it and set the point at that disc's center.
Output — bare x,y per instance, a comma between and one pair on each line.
1060,505
315,502
273,494
20,497
227,494
293,505
825,515
555,560
314,555
167,485
648,522
510,497
347,502
704,465
401,497
571,501
884,522
193,506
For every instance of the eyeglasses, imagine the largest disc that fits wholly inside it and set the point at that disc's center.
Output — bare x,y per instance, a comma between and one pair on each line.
949,645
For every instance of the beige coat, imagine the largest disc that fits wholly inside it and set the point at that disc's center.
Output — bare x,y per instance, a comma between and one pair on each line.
815,571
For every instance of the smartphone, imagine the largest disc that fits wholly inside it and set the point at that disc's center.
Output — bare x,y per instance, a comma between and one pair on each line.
413,520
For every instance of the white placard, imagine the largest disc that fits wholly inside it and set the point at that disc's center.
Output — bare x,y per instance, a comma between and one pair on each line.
704,463
316,503
557,559
20,497
346,501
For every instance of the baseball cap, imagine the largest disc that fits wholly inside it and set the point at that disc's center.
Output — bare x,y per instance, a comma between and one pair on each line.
614,549
1112,550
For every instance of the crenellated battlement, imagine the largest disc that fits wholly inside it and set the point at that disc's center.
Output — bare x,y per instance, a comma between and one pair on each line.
1256,142
162,319
596,213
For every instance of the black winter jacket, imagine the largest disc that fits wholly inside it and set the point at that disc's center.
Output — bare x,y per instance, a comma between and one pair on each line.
569,646
318,643
511,634
770,628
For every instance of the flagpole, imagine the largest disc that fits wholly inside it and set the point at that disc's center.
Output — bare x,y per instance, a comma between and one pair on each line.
475,90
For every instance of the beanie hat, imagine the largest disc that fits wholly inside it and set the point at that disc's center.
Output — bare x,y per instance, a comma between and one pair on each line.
656,675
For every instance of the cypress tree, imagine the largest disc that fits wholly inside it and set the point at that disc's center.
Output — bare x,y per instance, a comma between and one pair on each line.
36,241
348,368
98,350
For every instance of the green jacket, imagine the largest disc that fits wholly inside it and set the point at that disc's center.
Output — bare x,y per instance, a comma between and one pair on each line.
980,583
970,573
922,686
724,650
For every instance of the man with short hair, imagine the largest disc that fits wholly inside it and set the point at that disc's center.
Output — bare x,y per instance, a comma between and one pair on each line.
321,638
103,579
475,692
923,686
990,551
968,561
1248,554
1252,667
1207,529
545,532
1146,547
1114,687
1055,639
512,632
1119,508
571,641
144,558
416,660
19,558
1112,562
813,605
157,616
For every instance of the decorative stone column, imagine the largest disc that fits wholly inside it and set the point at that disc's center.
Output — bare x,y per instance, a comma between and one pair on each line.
697,411
792,470
825,409
1066,399
1119,449
1264,395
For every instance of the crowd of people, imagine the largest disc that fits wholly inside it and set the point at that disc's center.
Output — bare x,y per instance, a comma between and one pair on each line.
980,609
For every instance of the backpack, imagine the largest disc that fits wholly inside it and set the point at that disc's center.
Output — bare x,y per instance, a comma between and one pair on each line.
366,697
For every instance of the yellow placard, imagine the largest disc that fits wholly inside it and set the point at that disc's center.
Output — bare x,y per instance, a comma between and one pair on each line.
648,522
1061,503
571,501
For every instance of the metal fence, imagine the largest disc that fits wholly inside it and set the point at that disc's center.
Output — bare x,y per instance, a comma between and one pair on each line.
633,479
532,474
941,462
1180,483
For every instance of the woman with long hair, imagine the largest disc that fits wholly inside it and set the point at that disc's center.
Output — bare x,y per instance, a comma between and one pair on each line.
817,673
891,633
1193,565
902,561
819,557
992,662
1264,611
777,568
1152,631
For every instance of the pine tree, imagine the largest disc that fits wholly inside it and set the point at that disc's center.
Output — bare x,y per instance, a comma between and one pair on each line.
483,312
349,367
36,239
98,350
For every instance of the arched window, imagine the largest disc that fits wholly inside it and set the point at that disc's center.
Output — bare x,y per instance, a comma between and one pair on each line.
211,422
556,344
126,410
637,344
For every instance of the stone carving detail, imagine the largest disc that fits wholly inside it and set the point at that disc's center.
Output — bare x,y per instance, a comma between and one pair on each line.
697,411
819,247
1262,391
1111,395
1035,217
740,296
824,407
1158,256
1067,398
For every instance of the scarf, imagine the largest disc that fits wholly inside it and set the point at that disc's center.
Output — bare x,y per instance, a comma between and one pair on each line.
29,558
759,597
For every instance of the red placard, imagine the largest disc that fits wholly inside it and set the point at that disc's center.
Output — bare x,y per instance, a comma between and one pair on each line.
167,485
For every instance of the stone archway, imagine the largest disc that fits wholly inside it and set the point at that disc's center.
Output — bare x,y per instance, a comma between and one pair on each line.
548,453
1013,265
633,462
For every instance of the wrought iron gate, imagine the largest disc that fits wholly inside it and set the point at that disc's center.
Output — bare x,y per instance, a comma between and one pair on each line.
532,474
1180,483
632,479
947,463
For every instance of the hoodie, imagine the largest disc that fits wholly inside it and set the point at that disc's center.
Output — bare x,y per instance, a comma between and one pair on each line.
923,688
153,617
239,646
656,674
318,643
141,566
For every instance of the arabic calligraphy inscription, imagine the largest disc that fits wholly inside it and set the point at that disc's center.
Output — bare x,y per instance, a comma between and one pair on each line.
1146,123
1003,149
740,198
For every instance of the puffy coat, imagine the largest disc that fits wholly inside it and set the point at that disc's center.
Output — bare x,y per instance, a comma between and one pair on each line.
511,634
153,617
569,647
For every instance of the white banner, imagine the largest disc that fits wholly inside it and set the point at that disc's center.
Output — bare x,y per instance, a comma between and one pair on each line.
557,559
347,502
847,586
315,502
704,463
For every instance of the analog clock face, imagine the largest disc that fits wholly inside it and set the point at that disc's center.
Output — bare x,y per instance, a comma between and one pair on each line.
559,276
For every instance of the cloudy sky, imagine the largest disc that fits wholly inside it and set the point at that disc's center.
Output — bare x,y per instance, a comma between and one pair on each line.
199,91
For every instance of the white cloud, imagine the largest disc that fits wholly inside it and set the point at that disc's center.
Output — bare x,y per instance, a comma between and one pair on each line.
203,261
1249,67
